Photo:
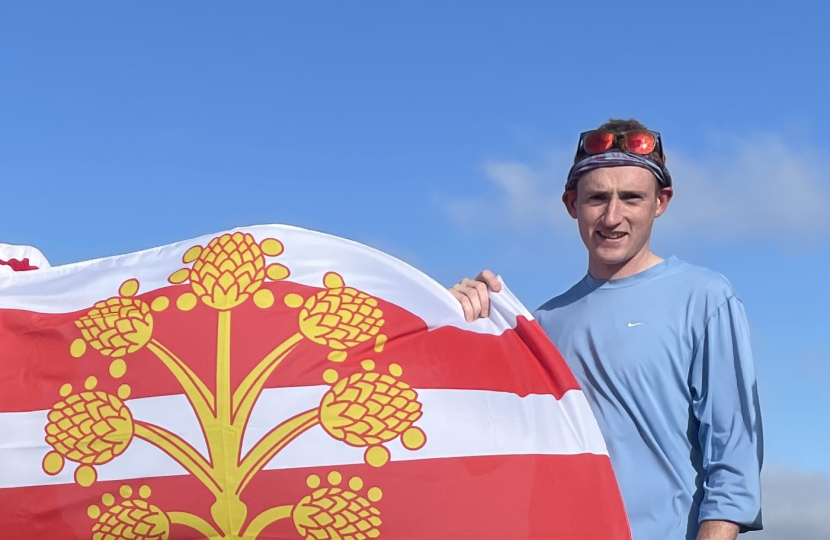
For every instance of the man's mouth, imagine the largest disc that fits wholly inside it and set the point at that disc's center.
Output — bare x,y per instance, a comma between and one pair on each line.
611,235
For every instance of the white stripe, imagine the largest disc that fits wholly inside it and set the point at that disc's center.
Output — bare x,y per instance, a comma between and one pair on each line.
457,423
309,255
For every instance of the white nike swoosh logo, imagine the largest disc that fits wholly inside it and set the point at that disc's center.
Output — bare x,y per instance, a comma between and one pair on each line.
634,324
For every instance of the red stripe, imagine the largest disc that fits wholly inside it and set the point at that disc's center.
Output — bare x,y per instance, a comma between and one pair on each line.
18,266
481,498
35,355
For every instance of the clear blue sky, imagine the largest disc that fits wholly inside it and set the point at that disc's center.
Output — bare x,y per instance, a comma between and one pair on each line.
438,132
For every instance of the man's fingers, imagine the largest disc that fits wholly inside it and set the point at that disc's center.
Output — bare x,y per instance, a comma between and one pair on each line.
489,278
484,298
479,295
468,291
466,305
472,295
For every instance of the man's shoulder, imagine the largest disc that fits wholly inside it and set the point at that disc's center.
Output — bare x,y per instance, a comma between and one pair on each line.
569,297
701,281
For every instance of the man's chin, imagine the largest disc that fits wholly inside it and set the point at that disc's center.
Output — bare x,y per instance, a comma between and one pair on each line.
611,257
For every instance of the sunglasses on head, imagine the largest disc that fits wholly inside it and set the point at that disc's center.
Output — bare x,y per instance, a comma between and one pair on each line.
637,141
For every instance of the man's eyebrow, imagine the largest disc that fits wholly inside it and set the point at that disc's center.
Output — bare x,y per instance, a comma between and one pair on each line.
598,191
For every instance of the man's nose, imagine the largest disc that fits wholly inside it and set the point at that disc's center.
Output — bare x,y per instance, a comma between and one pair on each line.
613,212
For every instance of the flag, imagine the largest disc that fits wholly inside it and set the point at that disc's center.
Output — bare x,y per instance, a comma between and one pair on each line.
271,382
15,258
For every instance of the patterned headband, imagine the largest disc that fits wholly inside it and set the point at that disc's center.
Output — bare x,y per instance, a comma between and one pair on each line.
617,159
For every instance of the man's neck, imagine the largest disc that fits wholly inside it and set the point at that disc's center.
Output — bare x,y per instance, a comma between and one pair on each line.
639,263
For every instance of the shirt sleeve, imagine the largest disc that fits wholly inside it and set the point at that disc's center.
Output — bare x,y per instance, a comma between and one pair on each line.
725,403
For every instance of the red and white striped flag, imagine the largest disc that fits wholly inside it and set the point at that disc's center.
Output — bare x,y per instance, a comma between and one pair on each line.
276,383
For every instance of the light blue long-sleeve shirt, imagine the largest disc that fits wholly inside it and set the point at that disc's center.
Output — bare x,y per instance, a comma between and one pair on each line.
664,359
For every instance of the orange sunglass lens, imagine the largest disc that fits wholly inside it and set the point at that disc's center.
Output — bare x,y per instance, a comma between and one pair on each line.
598,142
640,142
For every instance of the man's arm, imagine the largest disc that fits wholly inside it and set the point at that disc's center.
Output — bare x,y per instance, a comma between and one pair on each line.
725,403
717,530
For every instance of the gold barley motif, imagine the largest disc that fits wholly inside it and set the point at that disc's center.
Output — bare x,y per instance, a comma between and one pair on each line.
340,317
230,269
90,427
133,519
118,326
337,514
368,409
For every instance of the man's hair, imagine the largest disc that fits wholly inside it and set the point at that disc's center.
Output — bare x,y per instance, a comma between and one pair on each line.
617,125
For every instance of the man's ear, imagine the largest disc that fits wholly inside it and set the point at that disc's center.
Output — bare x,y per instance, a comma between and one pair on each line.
569,200
663,198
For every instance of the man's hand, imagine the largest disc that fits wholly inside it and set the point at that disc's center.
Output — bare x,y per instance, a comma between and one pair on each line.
474,294
717,530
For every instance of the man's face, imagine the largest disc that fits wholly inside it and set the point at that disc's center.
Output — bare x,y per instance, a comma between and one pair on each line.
615,208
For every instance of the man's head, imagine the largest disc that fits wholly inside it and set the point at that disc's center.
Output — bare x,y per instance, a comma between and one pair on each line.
615,198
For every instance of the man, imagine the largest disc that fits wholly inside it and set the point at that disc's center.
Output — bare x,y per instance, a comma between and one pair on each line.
20,258
660,347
